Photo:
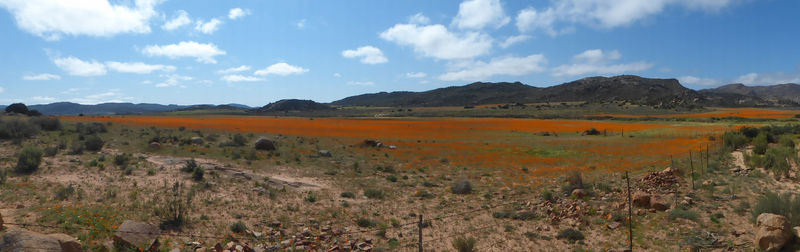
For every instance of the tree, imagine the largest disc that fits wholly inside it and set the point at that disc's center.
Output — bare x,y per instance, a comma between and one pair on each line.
18,108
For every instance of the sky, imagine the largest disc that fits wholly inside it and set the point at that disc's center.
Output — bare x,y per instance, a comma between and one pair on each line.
254,52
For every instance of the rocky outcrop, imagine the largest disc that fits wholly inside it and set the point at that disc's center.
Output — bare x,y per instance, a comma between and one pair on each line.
138,235
641,199
773,232
196,140
265,144
68,243
20,240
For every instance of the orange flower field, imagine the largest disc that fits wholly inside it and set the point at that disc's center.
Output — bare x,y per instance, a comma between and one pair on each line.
500,145
723,112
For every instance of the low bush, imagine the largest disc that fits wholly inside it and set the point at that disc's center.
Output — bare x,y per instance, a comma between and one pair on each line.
175,206
50,151
465,244
786,204
198,173
122,160
349,195
374,194
570,234
46,123
777,159
93,143
574,181
238,227
462,187
735,140
760,144
681,212
787,141
28,160
17,129
366,223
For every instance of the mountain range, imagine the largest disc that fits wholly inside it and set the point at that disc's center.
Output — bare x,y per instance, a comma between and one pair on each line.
658,93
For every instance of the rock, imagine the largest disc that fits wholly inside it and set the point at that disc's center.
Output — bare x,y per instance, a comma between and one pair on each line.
68,243
614,225
155,146
371,143
243,175
641,199
578,193
20,240
324,153
462,187
196,140
659,203
392,147
669,170
265,144
137,234
772,232
708,183
1,221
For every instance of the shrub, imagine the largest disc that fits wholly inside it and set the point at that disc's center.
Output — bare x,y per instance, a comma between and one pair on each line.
462,187
778,158
547,195
3,176
591,132
17,129
239,140
90,129
18,108
64,193
786,204
570,234
374,194
174,208
238,227
50,151
683,213
464,244
787,141
391,178
46,123
735,140
122,160
347,195
28,160
189,166
93,143
760,144
197,174
365,223
524,215
574,181
76,148
749,132
310,197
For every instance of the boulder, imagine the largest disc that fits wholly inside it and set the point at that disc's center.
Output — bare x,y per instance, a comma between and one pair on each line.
659,203
137,234
68,243
772,232
155,146
265,144
578,193
324,153
20,240
371,143
641,199
196,140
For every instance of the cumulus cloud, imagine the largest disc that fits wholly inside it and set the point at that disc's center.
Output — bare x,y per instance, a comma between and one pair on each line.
361,83
112,95
437,42
419,19
282,69
768,78
241,68
44,76
237,13
514,40
181,19
173,80
204,53
43,99
77,67
692,80
208,27
137,67
301,24
337,75
51,19
477,14
240,78
597,61
368,54
416,75
1,90
507,65
604,13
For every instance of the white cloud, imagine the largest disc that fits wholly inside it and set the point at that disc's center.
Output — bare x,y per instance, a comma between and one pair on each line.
508,65
237,13
604,13
477,14
281,69
513,40
240,78
44,76
1,89
597,61
241,68
137,67
204,53
51,19
692,80
181,19
437,42
173,80
43,99
337,75
419,19
416,75
110,96
361,83
208,27
75,66
301,24
368,55
768,78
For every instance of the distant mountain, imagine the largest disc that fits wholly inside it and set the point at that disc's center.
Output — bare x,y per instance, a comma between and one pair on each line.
291,105
215,107
665,93
741,95
69,108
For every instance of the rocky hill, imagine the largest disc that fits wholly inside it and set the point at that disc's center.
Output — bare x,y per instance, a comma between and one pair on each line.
287,105
741,95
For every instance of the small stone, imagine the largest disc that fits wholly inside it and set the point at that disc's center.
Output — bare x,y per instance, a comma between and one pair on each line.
578,193
614,225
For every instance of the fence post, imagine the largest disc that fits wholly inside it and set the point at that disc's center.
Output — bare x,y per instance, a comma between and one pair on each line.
630,213
420,232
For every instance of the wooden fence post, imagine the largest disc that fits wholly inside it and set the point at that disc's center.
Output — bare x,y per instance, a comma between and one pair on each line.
420,232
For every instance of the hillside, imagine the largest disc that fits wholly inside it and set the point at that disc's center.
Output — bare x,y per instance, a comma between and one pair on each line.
739,94
287,105
68,108
666,93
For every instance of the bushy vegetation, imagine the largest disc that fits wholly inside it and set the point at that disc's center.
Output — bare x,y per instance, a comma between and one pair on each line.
462,187
374,194
574,181
682,212
238,227
777,159
175,206
28,160
760,143
570,234
465,244
786,204
46,123
366,223
93,143
17,129
735,140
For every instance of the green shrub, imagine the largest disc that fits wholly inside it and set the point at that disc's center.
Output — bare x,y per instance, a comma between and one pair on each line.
462,187
524,215
786,204
749,132
17,129
760,144
50,151
175,206
46,123
197,174
3,175
391,178
310,197
683,213
366,223
64,193
190,165
735,140
374,194
122,160
465,244
778,158
28,160
787,141
570,234
574,181
239,140
93,143
238,227
347,195
547,195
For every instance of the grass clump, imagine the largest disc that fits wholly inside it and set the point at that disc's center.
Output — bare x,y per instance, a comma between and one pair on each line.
238,227
570,234
786,204
17,130
462,187
174,208
93,143
465,244
374,194
349,195
681,212
198,173
366,223
28,160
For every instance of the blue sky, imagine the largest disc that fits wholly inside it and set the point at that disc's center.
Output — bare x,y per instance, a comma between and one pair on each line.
256,52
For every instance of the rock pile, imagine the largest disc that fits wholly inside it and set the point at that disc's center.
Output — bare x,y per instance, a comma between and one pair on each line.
659,182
